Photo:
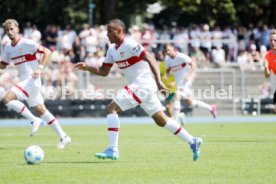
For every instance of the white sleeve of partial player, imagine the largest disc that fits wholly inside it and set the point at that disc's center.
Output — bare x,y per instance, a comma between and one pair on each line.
33,46
186,59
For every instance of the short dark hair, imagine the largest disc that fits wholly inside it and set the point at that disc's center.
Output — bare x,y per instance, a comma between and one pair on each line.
165,46
118,22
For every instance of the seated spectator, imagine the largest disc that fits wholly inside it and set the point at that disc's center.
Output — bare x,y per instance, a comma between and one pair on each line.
198,56
263,51
95,60
255,56
135,33
264,90
205,41
244,61
218,56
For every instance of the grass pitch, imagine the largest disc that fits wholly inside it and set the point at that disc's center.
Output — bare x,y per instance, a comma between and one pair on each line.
231,153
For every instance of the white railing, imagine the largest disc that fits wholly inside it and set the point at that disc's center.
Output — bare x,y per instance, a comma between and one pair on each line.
221,81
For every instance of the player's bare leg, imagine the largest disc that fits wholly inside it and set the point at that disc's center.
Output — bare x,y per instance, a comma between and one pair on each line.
169,108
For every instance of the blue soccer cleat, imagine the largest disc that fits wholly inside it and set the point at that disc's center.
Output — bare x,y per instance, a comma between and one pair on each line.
109,153
196,147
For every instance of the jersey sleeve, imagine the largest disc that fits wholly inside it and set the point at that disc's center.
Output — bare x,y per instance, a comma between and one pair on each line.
33,46
186,59
109,61
136,49
5,57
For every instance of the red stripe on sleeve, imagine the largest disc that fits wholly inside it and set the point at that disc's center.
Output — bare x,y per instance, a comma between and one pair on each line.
143,53
38,49
108,64
4,63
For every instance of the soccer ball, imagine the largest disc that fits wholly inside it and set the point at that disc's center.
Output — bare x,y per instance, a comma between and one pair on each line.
33,154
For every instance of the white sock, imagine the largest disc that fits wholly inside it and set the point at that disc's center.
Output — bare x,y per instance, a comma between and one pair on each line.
53,123
113,130
198,103
177,130
20,108
176,108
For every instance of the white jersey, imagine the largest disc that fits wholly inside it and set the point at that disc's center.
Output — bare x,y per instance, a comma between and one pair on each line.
23,55
128,56
180,65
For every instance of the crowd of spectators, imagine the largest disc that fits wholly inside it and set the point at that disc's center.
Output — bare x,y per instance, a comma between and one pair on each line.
209,47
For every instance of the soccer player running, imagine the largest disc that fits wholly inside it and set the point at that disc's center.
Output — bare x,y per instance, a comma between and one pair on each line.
22,53
270,61
183,69
169,81
142,72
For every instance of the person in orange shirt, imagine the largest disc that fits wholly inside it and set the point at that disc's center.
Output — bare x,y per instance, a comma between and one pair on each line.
270,60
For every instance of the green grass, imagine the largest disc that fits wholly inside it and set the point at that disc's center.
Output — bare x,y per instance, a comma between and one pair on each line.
232,153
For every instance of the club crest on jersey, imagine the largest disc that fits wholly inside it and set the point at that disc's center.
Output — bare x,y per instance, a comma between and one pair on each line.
122,54
20,51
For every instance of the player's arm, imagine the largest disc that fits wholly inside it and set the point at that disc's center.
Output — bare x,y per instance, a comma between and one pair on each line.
191,71
102,71
46,56
266,69
155,70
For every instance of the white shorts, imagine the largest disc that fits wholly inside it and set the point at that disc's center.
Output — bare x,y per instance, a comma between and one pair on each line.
29,90
133,95
185,90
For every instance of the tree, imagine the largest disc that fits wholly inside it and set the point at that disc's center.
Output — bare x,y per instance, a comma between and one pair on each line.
185,12
182,12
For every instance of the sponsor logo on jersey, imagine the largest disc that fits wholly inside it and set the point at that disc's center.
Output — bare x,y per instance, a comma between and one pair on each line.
123,64
19,60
